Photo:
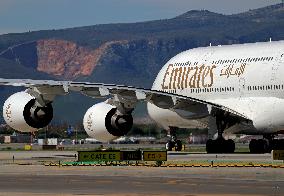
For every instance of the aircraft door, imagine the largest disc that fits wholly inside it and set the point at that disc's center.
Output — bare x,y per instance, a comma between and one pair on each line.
281,57
279,60
207,56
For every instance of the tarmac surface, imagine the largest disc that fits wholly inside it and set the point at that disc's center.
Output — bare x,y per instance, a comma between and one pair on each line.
27,175
15,179
39,157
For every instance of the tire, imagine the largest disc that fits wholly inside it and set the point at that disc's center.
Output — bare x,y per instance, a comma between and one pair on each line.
262,146
170,145
178,145
230,146
210,146
253,146
221,145
280,144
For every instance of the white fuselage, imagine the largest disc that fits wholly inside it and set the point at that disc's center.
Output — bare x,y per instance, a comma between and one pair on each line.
246,78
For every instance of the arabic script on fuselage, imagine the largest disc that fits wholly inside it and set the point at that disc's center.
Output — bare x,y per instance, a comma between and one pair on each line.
233,70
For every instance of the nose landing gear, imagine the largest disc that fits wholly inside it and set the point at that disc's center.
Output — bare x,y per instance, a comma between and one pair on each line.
173,143
220,145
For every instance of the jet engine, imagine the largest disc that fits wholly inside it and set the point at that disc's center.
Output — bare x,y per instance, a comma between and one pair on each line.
105,123
22,112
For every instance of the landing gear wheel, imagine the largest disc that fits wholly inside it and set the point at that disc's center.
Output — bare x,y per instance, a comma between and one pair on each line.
178,145
210,146
220,145
253,146
277,144
263,146
170,145
173,143
259,146
230,146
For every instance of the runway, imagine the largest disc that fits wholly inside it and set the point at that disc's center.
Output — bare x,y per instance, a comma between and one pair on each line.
184,156
36,179
38,157
140,181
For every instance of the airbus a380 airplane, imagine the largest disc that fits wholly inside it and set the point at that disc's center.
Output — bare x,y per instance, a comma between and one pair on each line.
234,88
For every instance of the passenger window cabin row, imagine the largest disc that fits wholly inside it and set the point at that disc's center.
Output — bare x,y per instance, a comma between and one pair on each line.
209,90
265,87
256,59
232,89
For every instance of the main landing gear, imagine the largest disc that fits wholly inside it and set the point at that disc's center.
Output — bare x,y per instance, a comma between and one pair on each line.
173,143
266,145
220,145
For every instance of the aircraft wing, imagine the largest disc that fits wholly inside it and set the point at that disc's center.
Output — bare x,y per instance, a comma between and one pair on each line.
120,93
31,83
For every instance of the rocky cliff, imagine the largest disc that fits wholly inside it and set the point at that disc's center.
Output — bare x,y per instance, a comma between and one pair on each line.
67,59
59,58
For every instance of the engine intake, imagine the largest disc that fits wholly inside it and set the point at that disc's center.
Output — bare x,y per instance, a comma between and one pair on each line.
104,123
37,116
21,112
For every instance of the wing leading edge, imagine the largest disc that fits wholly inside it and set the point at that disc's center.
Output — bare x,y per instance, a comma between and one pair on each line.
121,93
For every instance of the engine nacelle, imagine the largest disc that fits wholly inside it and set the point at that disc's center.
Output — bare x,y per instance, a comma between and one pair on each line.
21,112
104,123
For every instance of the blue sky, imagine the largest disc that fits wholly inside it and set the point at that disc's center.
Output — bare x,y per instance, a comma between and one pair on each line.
25,15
